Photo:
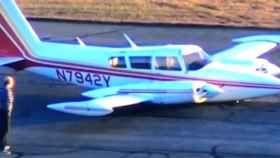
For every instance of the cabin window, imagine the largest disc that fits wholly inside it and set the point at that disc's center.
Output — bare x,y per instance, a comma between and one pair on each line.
143,62
167,63
117,62
195,61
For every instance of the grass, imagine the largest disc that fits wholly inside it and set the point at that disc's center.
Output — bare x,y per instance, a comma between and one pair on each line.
257,13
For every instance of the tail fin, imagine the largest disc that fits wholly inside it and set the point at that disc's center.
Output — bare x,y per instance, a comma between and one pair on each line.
17,38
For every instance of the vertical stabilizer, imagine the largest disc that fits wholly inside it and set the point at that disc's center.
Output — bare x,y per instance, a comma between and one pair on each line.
16,35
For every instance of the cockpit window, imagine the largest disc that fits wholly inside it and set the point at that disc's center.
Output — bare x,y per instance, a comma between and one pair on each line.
117,62
167,63
195,61
140,62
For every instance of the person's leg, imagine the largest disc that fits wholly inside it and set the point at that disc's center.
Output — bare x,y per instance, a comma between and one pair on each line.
3,129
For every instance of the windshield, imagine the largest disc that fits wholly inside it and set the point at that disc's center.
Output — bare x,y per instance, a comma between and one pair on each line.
195,60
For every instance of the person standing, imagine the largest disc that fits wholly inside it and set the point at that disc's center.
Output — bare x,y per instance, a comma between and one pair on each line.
6,108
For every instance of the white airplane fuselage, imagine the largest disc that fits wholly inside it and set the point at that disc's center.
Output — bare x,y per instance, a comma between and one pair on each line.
93,71
125,76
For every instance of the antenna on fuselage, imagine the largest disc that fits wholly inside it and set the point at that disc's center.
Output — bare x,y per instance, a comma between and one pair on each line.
129,40
80,41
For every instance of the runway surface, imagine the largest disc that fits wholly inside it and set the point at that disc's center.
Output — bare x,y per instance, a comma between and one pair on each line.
225,130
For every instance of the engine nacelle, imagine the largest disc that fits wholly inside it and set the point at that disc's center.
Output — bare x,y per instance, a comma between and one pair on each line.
85,108
193,92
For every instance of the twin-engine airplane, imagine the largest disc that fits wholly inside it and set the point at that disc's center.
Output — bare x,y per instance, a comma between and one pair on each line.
125,76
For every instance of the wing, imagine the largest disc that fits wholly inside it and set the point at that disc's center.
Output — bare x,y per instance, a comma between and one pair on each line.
103,101
249,47
100,106
247,50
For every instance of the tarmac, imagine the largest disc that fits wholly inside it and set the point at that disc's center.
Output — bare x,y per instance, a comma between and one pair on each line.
248,129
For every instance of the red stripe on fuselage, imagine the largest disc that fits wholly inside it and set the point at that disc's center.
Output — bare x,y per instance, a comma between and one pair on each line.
150,76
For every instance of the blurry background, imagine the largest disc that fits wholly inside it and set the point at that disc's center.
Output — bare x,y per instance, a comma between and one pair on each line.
245,13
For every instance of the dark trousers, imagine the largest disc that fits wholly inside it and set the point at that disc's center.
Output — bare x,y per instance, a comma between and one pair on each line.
4,127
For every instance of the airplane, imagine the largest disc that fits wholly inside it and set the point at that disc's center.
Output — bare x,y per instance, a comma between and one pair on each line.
118,77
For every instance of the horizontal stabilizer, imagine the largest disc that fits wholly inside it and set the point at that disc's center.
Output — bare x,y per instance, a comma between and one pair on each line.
8,60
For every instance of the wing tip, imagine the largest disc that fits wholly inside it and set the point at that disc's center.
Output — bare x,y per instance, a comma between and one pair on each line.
260,38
